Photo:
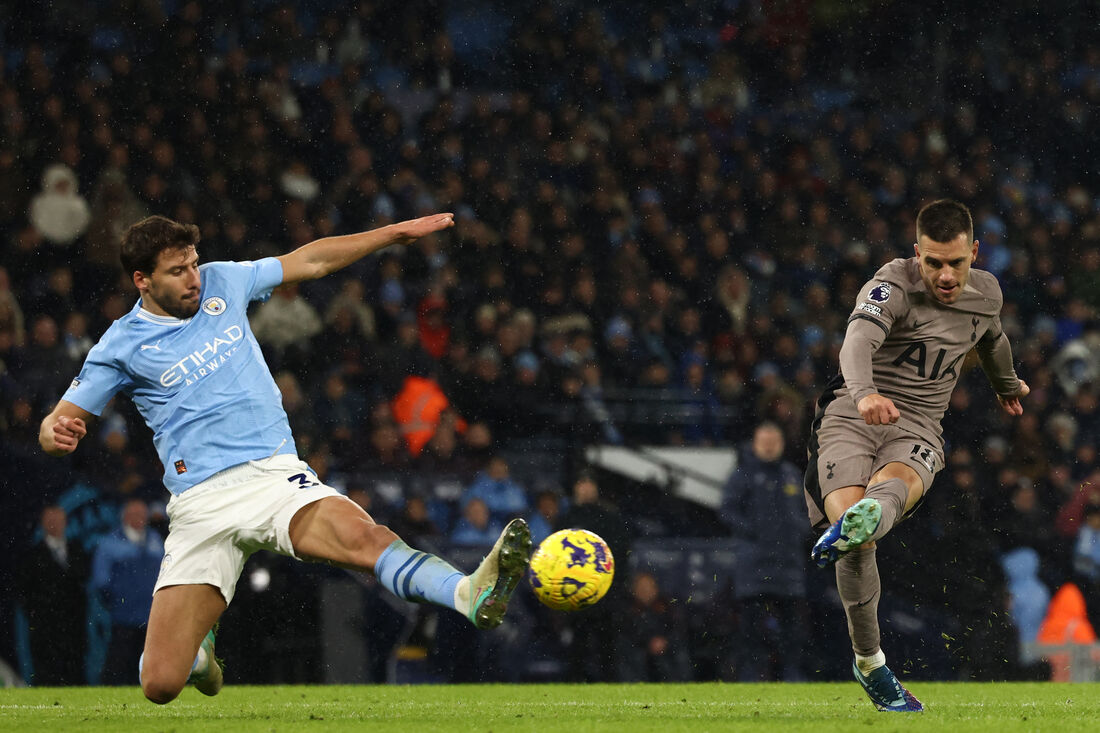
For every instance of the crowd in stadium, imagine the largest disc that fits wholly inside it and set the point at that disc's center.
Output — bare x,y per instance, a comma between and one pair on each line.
676,207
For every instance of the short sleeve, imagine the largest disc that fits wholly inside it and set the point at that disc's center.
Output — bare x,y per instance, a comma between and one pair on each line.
881,302
98,381
266,275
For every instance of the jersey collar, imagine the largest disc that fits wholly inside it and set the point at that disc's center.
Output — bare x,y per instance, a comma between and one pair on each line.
145,315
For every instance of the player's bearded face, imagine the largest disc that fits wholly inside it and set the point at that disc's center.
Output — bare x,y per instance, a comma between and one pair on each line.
945,266
174,284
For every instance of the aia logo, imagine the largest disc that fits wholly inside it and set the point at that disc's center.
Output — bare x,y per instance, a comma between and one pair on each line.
917,356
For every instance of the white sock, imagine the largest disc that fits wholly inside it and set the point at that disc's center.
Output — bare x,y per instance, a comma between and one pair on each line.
201,664
869,664
462,596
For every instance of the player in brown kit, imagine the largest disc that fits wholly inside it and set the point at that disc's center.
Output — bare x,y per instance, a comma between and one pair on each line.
876,442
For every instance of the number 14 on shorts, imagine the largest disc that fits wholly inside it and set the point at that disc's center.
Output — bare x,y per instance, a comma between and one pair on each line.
925,455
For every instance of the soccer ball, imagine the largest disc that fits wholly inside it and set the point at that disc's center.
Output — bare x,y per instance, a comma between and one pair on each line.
571,569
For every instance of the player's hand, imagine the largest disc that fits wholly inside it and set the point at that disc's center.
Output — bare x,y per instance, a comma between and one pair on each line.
414,229
878,410
1011,403
67,432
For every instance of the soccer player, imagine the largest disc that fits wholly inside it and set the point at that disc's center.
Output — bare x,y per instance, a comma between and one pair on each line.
187,358
876,440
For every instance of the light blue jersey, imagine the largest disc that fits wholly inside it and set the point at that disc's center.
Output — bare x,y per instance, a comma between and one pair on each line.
201,384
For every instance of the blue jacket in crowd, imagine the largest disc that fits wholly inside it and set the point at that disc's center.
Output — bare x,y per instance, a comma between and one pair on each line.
124,573
763,505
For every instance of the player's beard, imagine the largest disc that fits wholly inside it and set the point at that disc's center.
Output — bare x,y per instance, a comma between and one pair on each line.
182,307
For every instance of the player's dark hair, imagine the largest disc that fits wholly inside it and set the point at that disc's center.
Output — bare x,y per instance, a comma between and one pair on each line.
943,220
145,240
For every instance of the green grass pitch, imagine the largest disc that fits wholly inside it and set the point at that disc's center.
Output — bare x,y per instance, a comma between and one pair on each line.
816,707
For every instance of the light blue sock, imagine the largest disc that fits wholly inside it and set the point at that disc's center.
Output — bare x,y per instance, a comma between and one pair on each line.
417,576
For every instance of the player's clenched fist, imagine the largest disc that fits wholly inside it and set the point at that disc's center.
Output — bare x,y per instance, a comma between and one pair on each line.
878,410
67,432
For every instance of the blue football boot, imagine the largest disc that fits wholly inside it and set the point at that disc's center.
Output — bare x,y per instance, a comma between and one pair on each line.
850,531
886,692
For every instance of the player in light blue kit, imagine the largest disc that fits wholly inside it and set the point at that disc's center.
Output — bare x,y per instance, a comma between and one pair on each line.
187,358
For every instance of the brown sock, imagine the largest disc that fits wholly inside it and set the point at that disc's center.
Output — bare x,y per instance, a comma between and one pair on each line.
858,582
891,495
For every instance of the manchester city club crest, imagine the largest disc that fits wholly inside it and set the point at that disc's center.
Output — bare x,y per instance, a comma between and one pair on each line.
213,306
880,293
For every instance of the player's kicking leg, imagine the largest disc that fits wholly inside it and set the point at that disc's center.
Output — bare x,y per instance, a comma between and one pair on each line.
862,516
337,530
854,528
179,643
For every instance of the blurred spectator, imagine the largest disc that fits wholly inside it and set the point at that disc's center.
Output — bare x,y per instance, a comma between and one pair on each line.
124,570
588,511
544,518
75,338
413,524
418,409
51,589
476,527
1030,595
764,507
299,413
1086,561
388,452
59,212
1024,521
504,496
44,368
402,357
11,315
1071,515
651,645
340,410
596,628
698,396
283,326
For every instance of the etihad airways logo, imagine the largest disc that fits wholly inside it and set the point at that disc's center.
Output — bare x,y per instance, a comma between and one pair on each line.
201,362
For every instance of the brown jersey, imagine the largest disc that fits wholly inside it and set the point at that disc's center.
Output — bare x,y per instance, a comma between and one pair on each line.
918,363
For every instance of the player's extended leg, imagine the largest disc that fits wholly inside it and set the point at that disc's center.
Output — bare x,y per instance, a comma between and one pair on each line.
865,516
179,620
337,530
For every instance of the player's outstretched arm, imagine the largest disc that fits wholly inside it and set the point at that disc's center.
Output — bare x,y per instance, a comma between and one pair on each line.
63,428
319,258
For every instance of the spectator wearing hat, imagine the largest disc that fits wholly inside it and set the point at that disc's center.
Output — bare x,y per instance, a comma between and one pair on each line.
58,212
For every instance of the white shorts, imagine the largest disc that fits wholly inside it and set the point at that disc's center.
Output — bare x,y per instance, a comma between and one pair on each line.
216,525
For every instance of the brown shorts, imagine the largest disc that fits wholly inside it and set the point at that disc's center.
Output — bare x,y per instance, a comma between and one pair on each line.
847,452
